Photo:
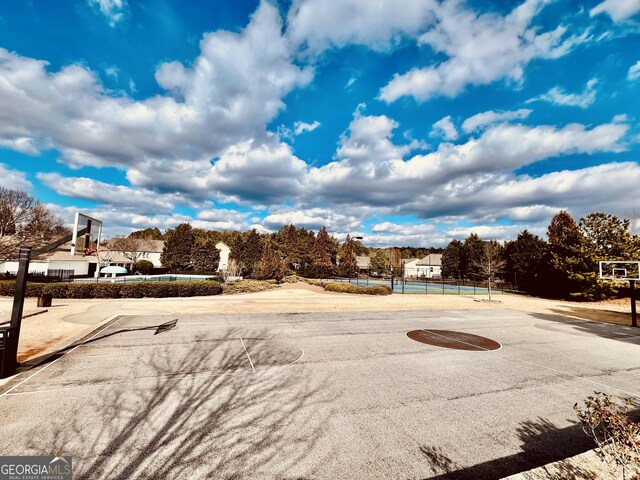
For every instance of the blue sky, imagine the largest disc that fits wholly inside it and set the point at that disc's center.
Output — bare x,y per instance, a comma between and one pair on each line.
409,122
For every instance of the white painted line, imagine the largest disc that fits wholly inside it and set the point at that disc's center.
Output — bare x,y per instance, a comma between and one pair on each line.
65,354
460,341
245,351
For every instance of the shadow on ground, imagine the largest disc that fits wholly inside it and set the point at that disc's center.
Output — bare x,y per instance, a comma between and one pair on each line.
183,418
541,442
572,326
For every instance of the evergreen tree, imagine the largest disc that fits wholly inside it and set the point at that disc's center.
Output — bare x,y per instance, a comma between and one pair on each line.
452,260
473,251
205,257
323,264
525,258
609,237
348,265
247,252
573,268
270,265
379,263
176,255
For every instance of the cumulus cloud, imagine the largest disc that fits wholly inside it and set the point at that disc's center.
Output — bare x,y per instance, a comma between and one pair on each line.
224,98
315,25
618,10
634,71
445,129
370,170
481,120
112,9
480,49
13,179
312,219
301,127
142,201
557,96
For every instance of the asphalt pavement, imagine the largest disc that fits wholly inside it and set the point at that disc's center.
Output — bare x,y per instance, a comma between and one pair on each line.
317,395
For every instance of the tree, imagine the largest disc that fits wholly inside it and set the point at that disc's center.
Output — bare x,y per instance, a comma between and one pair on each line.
491,263
176,255
323,265
572,269
205,257
147,234
525,257
609,237
379,263
246,250
473,251
25,222
348,265
130,248
452,260
270,265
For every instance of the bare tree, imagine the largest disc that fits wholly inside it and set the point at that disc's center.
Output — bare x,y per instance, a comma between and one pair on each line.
130,248
24,221
491,263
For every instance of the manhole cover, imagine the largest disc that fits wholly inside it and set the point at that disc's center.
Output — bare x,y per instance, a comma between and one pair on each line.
455,340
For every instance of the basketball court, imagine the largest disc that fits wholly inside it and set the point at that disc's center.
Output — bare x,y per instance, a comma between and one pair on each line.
430,394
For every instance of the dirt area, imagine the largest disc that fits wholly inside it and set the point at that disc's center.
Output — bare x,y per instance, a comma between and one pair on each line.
68,319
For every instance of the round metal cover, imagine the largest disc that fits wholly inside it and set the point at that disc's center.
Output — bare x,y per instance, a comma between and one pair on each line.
455,340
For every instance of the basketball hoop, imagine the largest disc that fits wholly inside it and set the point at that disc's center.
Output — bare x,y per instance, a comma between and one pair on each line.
620,271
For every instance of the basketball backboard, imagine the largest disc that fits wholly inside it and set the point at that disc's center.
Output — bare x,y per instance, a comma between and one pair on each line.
87,233
618,270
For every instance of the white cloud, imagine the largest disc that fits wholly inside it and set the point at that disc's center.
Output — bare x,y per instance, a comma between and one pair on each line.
112,71
618,10
112,9
301,127
13,179
141,201
224,98
558,96
445,128
370,171
351,81
480,120
634,71
315,25
480,49
486,232
312,219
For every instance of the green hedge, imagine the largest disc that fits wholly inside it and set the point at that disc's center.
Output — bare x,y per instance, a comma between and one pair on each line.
349,288
116,290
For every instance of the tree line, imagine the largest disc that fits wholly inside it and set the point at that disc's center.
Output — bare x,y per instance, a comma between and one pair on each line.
563,266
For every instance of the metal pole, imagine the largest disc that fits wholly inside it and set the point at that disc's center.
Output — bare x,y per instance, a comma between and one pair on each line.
634,317
21,287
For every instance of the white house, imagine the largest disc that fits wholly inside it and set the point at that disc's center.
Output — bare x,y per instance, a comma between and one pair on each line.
225,251
427,267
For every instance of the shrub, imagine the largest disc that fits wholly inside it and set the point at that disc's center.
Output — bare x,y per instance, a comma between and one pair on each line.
248,286
117,290
348,288
145,267
608,424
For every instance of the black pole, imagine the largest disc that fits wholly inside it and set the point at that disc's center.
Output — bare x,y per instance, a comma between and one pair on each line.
634,317
21,287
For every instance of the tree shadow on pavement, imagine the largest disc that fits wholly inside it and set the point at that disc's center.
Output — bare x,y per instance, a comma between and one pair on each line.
541,443
195,413
574,326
